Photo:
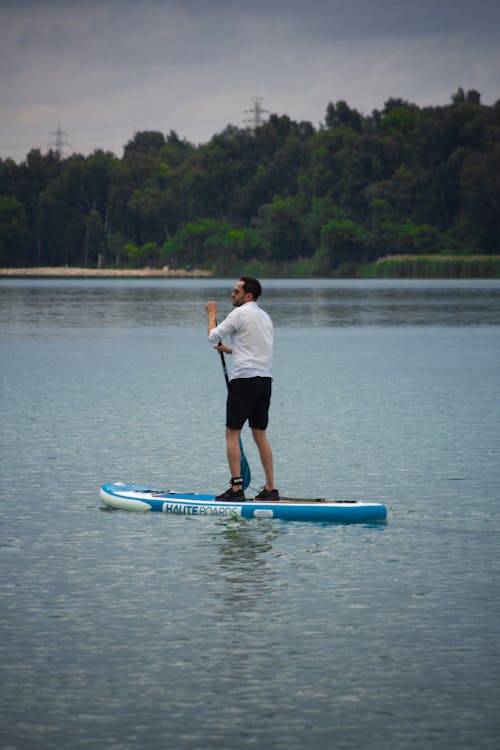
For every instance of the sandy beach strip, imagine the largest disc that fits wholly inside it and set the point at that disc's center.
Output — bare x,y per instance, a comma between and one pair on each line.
104,273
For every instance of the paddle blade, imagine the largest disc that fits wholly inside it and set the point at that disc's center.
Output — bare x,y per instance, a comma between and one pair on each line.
244,468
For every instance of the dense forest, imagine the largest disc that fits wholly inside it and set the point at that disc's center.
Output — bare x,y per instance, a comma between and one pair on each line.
286,197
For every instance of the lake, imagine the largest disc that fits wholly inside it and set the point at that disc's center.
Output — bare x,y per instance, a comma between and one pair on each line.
124,631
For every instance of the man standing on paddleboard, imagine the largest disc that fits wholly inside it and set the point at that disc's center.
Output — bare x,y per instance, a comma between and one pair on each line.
249,390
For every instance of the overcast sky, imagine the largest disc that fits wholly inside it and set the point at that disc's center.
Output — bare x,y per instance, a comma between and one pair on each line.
103,69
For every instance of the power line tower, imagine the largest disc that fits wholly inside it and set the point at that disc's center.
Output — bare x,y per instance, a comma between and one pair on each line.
256,113
59,142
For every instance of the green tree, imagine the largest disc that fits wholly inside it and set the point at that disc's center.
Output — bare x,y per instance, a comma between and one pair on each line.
94,241
147,255
280,225
25,182
400,119
480,191
406,239
197,244
322,210
156,210
13,230
343,245
341,114
73,211
145,142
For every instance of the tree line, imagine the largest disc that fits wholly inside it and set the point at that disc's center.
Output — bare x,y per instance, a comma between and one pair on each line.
319,200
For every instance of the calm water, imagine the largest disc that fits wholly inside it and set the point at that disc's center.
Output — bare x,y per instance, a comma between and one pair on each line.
123,631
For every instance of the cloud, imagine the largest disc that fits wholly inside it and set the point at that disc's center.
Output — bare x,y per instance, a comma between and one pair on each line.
103,69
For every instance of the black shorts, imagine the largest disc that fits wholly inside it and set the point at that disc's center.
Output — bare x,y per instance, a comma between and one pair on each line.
248,398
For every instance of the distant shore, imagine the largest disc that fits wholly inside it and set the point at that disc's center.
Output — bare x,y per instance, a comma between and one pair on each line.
97,273
387,267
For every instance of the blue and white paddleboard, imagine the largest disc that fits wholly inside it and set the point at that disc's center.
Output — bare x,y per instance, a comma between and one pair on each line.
139,498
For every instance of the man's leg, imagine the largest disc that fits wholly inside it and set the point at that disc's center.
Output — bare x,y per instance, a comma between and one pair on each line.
266,456
233,453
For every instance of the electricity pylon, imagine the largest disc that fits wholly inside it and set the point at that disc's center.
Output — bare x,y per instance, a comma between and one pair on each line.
256,113
59,142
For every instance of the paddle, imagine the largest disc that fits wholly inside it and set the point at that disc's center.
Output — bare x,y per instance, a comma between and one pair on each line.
244,467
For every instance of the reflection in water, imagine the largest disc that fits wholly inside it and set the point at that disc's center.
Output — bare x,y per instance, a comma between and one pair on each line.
245,611
172,302
374,305
243,562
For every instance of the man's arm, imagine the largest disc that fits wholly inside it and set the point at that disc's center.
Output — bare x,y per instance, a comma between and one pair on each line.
226,328
211,308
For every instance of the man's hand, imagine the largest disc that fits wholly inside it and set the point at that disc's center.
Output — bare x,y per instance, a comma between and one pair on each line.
223,348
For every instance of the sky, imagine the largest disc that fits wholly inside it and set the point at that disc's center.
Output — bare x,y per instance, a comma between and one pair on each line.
102,70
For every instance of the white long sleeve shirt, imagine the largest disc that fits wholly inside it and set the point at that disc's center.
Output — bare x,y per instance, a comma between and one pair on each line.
251,332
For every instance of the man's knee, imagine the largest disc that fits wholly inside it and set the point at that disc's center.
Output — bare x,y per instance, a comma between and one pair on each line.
259,435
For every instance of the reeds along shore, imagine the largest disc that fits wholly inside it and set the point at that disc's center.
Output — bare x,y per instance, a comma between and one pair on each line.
433,267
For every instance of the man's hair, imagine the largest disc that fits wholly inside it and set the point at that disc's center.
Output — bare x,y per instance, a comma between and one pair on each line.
251,286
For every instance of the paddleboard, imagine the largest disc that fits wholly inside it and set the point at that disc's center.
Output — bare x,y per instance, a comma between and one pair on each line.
134,497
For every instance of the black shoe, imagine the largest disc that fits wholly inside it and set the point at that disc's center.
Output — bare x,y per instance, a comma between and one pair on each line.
237,496
271,495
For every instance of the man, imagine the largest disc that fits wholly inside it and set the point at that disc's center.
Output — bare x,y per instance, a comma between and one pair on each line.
249,393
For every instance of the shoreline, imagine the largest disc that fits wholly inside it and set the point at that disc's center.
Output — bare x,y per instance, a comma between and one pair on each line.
96,273
387,267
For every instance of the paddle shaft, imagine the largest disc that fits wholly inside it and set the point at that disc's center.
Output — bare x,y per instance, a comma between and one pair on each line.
223,360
